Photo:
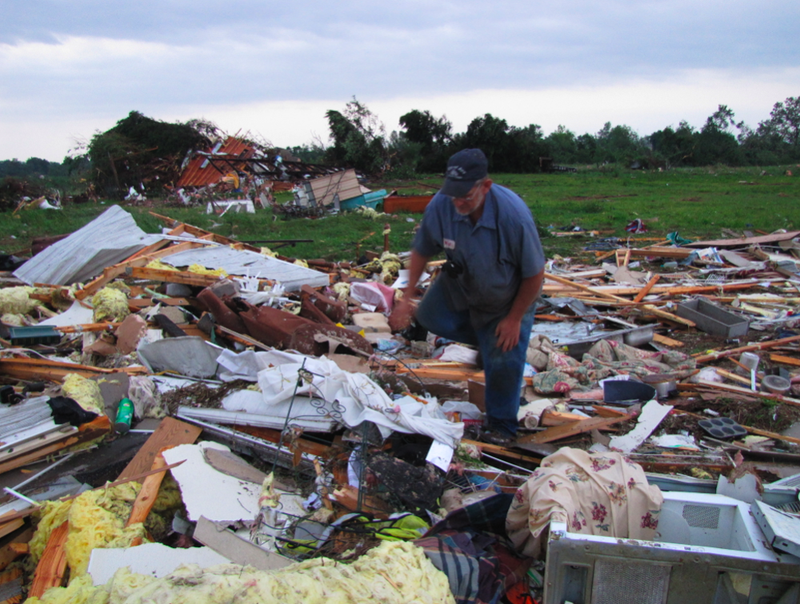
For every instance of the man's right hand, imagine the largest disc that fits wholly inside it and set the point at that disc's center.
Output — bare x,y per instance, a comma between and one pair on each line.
401,314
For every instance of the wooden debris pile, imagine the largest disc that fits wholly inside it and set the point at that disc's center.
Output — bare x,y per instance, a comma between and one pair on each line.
283,392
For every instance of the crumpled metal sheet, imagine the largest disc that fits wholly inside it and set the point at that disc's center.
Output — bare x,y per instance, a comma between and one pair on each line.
244,262
107,240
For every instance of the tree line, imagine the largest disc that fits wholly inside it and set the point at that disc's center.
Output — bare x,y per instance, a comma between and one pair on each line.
424,142
139,149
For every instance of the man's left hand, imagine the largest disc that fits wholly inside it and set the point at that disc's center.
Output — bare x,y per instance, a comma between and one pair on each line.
507,333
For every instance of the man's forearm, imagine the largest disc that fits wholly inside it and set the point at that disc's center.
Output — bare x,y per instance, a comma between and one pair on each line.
415,270
527,293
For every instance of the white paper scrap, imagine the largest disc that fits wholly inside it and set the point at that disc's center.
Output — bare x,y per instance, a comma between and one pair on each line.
652,415
440,455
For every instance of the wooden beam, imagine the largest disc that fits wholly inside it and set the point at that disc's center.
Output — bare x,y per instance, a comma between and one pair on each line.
167,276
743,391
598,292
749,348
148,493
453,375
12,551
661,252
170,432
551,417
112,272
671,290
779,358
198,232
646,289
665,341
53,563
56,371
573,428
503,451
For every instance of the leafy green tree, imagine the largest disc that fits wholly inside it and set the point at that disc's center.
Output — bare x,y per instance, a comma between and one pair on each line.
431,136
526,146
675,147
784,125
721,120
358,138
714,144
585,149
562,146
490,134
310,153
618,144
130,153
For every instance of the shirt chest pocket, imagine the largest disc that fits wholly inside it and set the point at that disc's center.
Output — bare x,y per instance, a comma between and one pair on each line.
492,279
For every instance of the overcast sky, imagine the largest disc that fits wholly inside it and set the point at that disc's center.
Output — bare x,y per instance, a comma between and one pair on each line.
271,69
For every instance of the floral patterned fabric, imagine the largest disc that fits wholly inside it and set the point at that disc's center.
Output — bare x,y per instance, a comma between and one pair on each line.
594,493
559,373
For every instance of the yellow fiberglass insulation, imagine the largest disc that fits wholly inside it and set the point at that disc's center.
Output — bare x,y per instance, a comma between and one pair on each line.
110,304
160,266
14,320
16,300
393,573
202,270
342,290
390,267
79,591
85,392
96,520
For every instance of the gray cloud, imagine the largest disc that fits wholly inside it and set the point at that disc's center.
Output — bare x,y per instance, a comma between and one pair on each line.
83,58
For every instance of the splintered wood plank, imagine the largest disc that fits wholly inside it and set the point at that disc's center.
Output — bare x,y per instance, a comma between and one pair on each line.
551,417
139,303
10,527
167,276
571,429
56,371
779,358
665,341
148,493
608,411
598,292
742,391
12,551
138,259
50,570
500,450
170,432
646,289
749,348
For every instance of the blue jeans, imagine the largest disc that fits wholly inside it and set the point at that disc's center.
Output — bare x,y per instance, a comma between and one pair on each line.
503,370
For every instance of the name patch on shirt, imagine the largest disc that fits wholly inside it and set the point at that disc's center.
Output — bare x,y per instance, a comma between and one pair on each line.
449,244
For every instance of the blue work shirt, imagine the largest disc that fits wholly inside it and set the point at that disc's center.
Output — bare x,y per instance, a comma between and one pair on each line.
494,254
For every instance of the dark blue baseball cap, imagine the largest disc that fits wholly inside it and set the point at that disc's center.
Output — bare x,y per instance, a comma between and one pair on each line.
464,169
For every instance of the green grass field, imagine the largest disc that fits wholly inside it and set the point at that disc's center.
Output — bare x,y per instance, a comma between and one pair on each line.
698,203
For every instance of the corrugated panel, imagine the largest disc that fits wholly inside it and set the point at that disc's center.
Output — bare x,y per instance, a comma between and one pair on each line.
201,171
243,262
344,184
108,239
